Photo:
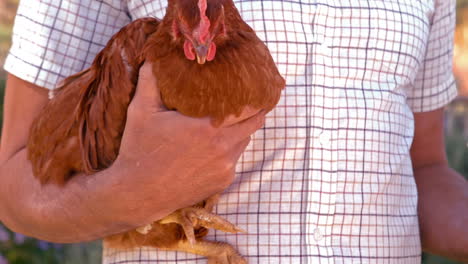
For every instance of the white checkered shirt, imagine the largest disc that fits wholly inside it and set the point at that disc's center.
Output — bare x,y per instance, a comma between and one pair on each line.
329,178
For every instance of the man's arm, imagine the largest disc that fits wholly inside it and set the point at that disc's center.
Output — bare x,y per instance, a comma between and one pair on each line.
166,161
442,192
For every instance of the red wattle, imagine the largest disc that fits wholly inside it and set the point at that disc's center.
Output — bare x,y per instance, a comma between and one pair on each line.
188,50
211,52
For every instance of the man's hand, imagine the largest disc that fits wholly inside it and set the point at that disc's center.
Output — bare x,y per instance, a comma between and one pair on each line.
442,193
188,156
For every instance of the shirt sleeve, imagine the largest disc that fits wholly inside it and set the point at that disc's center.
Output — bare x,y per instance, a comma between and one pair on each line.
53,39
435,85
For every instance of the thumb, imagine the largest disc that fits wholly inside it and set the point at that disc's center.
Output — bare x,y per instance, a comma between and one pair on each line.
147,93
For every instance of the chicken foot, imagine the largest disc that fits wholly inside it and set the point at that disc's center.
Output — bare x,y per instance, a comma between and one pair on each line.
216,252
191,217
211,201
200,216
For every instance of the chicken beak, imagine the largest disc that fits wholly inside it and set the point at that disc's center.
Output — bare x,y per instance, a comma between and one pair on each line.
201,52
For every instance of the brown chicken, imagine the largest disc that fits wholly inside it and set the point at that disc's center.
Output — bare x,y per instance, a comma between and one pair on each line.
207,62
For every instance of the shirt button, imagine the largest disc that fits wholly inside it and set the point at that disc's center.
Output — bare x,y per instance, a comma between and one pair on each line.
318,234
324,139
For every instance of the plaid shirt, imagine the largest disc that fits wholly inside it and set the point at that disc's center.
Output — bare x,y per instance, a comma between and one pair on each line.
329,178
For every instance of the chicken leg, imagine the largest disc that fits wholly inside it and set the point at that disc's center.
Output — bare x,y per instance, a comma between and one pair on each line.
191,218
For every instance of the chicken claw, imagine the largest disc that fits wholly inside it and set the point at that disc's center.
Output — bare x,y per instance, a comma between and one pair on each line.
144,229
211,201
216,252
191,217
231,259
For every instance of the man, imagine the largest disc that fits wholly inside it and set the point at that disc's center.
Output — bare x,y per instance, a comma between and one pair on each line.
329,179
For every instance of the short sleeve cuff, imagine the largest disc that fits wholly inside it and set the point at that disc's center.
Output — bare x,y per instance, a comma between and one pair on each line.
441,96
30,72
55,39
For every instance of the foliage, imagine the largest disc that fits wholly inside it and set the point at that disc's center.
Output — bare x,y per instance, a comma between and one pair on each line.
462,3
4,45
18,249
457,152
431,259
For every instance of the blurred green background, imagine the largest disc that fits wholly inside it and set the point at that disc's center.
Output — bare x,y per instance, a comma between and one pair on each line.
17,249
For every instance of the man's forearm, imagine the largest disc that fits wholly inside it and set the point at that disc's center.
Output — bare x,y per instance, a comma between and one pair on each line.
443,211
49,212
84,209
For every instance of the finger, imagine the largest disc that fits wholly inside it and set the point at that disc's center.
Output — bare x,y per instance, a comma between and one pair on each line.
247,112
147,92
239,149
246,127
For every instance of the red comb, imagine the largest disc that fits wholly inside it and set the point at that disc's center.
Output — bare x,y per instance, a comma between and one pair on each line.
204,26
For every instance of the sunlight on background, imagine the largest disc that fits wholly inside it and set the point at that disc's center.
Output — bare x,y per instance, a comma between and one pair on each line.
18,249
460,62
